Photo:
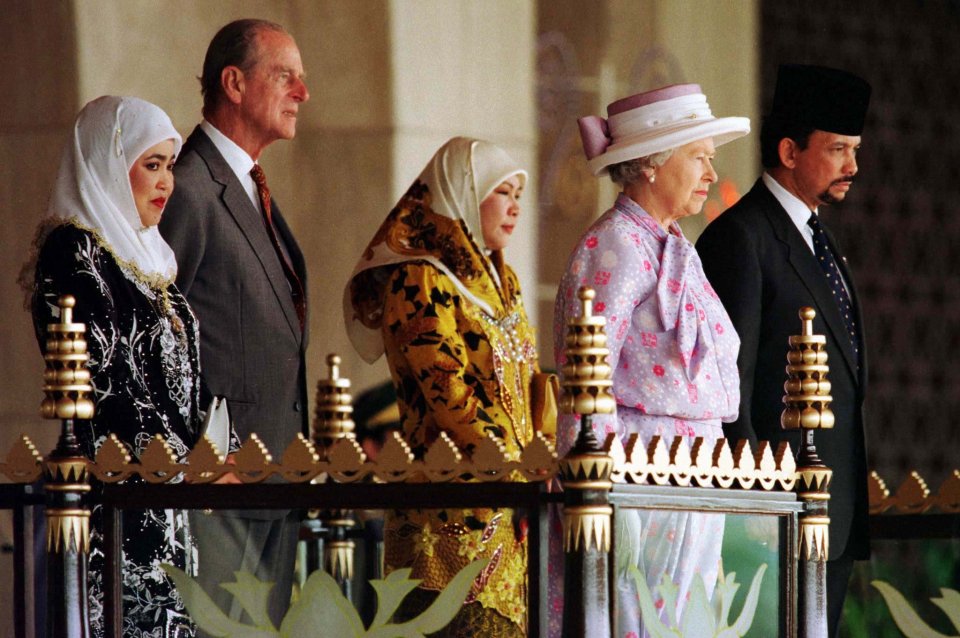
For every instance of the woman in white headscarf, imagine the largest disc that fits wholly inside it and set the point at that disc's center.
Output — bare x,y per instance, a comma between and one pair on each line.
432,291
99,242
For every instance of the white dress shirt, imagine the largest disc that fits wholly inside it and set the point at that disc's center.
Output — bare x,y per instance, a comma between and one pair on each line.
797,211
236,158
799,214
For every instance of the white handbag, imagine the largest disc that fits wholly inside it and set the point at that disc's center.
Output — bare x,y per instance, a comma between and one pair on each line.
216,424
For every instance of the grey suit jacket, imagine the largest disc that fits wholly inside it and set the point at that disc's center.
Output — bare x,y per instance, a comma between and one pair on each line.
763,271
251,344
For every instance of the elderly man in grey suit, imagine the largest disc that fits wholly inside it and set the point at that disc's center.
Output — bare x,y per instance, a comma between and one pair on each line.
244,275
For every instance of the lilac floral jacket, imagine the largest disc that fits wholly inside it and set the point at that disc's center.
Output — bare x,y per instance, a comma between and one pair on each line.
672,345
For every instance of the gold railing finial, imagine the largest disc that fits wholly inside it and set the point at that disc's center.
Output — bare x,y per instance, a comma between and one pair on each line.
333,362
586,470
807,315
66,383
66,379
587,377
586,296
807,408
334,422
333,414
807,390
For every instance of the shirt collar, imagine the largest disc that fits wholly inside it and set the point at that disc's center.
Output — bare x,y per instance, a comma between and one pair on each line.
798,211
237,158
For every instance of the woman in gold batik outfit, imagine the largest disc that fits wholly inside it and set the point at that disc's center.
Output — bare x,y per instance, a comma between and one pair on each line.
432,291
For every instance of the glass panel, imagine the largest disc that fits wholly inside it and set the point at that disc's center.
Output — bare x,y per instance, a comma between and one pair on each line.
671,564
150,539
478,555
748,543
910,574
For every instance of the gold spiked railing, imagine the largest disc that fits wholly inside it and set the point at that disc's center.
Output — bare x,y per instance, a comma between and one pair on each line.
588,473
914,496
67,388
807,408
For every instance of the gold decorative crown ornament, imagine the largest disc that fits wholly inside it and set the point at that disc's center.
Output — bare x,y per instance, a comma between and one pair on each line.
587,377
807,388
66,379
333,415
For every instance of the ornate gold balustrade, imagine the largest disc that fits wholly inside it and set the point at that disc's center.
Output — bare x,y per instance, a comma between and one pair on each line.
659,463
334,460
913,496
301,463
701,465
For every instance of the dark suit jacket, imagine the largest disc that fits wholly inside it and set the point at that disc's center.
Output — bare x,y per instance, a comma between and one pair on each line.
251,345
759,264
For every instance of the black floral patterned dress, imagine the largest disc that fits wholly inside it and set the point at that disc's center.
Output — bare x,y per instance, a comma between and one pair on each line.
144,361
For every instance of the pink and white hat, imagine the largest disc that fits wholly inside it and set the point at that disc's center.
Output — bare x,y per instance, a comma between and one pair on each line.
653,122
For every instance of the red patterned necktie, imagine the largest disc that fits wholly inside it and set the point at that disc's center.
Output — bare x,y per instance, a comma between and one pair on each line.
296,288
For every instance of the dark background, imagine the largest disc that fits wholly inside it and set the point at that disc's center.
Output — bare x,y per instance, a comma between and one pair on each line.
899,227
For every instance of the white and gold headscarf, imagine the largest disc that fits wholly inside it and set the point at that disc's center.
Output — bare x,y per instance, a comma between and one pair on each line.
436,221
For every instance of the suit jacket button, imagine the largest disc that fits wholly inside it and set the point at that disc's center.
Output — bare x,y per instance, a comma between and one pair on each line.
296,406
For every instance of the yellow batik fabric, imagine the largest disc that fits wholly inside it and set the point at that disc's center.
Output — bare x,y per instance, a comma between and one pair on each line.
461,355
455,368
459,371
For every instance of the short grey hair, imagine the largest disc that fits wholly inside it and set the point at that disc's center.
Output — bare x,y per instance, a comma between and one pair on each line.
235,44
631,171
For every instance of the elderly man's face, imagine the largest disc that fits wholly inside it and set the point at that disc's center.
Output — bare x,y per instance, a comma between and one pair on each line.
274,88
824,171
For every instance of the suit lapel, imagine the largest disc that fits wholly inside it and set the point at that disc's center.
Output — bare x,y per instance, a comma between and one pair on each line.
808,270
251,224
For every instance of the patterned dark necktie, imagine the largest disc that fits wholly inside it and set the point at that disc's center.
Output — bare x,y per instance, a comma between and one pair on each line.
296,288
821,248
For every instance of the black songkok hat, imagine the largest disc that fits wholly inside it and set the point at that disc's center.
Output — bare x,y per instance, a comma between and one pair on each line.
827,99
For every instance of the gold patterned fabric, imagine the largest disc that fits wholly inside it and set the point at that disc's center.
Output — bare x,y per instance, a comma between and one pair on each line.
473,619
437,544
450,319
459,371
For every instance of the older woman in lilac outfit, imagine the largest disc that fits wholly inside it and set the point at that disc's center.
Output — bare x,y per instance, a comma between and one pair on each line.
672,346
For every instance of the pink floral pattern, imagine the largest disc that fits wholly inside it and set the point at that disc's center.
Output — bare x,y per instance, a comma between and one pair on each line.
673,351
672,346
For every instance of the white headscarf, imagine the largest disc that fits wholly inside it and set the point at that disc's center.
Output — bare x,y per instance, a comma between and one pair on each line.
93,185
462,173
458,178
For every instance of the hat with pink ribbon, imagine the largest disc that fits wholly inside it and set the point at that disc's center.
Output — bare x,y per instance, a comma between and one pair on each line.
653,122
